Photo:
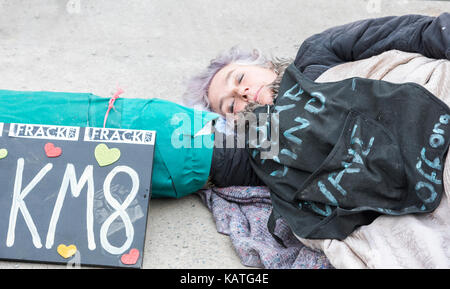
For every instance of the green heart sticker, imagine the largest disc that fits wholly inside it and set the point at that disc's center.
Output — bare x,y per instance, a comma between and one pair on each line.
106,156
3,153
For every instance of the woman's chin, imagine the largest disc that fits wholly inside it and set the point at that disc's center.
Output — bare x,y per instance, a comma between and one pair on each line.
265,99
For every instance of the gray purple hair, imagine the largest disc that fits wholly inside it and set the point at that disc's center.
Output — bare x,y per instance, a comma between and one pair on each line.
196,94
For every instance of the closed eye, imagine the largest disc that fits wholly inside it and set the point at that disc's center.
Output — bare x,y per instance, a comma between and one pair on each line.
231,107
240,78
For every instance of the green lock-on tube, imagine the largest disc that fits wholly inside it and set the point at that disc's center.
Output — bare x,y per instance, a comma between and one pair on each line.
178,170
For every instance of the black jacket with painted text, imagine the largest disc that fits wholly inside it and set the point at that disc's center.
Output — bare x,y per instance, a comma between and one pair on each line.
351,150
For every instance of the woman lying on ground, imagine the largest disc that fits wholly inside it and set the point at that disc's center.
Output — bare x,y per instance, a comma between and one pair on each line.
240,80
358,135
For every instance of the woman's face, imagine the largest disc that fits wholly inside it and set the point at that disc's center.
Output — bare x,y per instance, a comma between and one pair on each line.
235,86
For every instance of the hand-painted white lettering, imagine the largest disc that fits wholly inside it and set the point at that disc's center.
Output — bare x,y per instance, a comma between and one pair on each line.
76,187
438,130
336,180
319,211
18,204
358,141
436,140
327,193
426,198
435,164
444,118
431,177
120,210
309,107
288,133
280,108
353,84
288,153
356,157
280,173
295,97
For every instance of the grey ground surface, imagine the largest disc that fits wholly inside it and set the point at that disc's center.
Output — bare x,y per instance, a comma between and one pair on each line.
150,48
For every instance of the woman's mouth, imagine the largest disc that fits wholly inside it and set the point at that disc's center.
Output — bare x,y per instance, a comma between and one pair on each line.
255,99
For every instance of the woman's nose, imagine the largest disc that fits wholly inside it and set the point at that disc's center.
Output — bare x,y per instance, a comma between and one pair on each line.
243,91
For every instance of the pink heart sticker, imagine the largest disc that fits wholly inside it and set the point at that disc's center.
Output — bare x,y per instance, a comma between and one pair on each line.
130,258
51,151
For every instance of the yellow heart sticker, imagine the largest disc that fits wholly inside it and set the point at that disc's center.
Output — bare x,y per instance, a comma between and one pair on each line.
66,251
106,156
3,153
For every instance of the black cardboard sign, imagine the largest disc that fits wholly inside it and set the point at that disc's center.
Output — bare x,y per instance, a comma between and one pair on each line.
74,195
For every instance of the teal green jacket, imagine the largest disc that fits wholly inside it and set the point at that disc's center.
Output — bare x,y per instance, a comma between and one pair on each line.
182,161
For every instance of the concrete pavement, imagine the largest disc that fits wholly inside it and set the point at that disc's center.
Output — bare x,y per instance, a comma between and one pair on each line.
150,48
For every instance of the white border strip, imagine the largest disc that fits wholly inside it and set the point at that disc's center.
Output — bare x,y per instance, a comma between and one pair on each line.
115,135
37,131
